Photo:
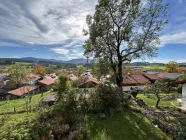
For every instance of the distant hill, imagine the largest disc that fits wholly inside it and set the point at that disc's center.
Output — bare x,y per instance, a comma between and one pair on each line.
72,61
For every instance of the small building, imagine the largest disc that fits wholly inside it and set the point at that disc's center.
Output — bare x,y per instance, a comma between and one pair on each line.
88,82
49,100
19,92
173,76
46,84
153,76
135,80
72,77
32,79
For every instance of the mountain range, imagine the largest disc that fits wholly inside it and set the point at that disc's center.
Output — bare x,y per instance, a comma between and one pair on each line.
72,61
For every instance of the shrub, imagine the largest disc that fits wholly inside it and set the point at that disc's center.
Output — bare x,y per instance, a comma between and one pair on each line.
108,98
180,88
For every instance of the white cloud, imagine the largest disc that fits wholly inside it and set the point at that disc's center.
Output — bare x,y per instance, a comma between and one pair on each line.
177,38
44,21
61,51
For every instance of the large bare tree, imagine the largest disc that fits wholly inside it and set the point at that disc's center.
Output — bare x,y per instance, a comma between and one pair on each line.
123,30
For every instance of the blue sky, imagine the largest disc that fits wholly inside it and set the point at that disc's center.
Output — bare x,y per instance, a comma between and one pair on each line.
52,29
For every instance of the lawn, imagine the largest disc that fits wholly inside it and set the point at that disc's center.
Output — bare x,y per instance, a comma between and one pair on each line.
122,126
168,100
20,103
154,67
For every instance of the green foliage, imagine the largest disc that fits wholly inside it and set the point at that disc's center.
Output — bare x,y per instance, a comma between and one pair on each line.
108,99
39,69
59,120
180,86
17,129
62,85
172,67
160,86
101,68
17,74
120,35
50,69
81,69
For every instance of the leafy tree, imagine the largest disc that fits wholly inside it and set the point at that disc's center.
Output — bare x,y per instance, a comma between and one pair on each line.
39,69
101,68
172,67
16,75
124,30
50,69
160,86
62,85
81,69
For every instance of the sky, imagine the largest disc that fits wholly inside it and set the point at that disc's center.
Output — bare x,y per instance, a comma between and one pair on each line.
52,29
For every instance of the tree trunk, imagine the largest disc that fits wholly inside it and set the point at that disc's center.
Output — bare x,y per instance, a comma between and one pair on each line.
119,77
157,102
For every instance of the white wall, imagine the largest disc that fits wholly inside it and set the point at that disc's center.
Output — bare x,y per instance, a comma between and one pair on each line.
184,95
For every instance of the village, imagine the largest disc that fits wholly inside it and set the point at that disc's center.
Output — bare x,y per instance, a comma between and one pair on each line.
92,70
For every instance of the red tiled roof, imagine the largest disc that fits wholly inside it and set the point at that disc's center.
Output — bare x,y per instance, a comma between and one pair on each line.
128,80
140,79
23,90
47,81
152,76
162,74
135,80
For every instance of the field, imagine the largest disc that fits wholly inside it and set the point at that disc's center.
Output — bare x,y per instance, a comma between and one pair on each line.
154,67
123,126
19,104
168,100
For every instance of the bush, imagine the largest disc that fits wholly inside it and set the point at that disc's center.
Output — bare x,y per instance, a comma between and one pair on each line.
108,99
180,88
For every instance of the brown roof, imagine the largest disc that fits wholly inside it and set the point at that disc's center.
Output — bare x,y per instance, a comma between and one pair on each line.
162,74
72,77
88,81
141,79
23,90
135,80
128,80
47,81
152,76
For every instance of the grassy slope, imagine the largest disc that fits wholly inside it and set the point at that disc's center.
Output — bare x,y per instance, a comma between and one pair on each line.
20,103
122,127
168,100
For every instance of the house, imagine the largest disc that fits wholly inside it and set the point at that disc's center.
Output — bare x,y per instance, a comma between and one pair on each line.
49,100
72,77
32,79
19,92
88,82
135,80
46,84
173,76
153,76
51,76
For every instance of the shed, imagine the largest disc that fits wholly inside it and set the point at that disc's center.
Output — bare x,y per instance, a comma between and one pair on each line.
24,90
50,99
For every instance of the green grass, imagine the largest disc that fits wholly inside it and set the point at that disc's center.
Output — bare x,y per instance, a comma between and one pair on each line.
168,100
19,104
154,67
122,126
